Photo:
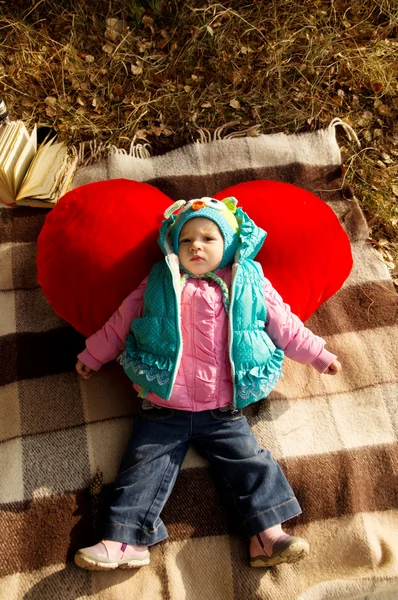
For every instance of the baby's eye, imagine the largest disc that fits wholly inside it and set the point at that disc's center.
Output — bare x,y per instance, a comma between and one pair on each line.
184,241
208,239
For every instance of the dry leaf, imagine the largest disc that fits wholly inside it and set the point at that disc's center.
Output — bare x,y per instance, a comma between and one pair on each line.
50,111
384,110
386,158
118,90
367,135
89,59
116,29
136,69
50,101
187,88
337,100
80,101
235,104
143,46
206,105
210,30
108,48
148,23
377,87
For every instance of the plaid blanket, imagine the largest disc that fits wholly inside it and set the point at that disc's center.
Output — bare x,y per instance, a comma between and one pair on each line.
335,437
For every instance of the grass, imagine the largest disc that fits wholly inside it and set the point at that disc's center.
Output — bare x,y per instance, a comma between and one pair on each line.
162,70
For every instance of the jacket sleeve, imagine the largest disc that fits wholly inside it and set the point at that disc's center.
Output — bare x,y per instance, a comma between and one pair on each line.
289,334
107,343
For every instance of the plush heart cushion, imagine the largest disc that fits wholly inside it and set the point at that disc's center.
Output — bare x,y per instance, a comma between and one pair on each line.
307,254
100,241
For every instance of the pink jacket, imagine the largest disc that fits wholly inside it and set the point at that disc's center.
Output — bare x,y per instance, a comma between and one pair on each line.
203,380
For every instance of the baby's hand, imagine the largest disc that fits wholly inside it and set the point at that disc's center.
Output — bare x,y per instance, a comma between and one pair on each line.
334,368
83,370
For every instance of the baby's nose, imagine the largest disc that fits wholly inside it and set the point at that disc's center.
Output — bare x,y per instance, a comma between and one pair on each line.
195,244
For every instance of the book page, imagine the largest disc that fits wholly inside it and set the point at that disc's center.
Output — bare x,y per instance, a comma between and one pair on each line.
9,133
63,184
15,149
53,180
25,158
44,171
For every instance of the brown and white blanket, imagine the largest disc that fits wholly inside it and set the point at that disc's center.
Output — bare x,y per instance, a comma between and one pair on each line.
335,437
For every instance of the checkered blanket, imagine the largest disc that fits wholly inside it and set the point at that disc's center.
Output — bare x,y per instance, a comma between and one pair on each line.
335,437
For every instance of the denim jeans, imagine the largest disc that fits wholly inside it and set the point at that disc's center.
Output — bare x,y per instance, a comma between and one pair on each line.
252,480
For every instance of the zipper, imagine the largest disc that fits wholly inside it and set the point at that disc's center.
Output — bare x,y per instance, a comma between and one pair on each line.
194,300
179,336
230,333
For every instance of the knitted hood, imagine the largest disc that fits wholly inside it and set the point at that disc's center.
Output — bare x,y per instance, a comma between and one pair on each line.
242,243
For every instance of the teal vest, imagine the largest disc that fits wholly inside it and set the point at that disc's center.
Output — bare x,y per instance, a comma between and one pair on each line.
153,348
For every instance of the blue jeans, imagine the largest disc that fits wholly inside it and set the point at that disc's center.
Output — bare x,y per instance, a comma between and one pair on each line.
252,480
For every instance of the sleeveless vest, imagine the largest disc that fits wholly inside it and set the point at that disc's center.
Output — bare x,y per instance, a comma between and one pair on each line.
153,348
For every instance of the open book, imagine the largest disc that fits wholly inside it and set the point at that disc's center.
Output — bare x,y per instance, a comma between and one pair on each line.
31,176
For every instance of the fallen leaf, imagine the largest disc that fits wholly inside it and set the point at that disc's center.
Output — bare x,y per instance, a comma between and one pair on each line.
337,100
148,23
118,90
367,135
210,30
50,101
384,110
50,111
206,105
136,69
108,48
235,104
89,59
116,29
145,45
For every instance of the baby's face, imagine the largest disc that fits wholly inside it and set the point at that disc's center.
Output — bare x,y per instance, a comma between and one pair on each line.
200,246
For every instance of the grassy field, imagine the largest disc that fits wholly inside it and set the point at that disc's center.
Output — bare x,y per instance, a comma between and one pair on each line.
159,71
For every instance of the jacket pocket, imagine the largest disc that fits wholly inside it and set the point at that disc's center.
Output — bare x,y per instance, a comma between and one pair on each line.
227,415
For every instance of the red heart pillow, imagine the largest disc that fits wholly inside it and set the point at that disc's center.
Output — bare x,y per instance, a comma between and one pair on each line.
100,241
307,254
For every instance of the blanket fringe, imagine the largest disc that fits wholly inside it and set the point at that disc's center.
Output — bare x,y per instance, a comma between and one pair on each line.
206,137
348,130
93,152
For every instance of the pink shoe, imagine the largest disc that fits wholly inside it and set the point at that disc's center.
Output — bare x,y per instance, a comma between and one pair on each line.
289,550
108,555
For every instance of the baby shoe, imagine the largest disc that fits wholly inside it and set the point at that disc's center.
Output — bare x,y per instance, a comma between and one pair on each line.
108,555
289,550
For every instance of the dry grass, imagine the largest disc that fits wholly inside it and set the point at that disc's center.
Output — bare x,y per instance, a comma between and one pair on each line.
160,70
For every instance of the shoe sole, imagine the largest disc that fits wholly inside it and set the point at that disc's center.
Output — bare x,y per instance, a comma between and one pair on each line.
92,564
292,554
